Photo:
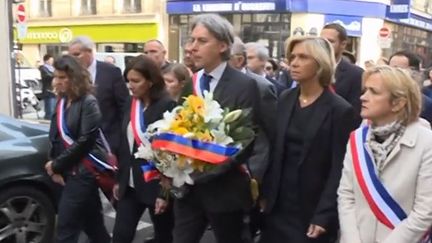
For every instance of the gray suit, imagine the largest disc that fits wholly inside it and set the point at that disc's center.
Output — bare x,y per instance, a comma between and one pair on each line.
259,160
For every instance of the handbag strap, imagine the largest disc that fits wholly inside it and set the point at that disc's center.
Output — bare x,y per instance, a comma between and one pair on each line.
104,141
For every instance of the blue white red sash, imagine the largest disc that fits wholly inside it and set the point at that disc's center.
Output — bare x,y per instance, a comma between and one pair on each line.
68,141
383,206
138,129
196,77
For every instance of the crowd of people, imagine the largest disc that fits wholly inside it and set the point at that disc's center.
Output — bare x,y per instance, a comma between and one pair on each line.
340,153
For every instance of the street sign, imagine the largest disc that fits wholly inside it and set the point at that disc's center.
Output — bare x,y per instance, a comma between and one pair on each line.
384,38
21,30
384,32
21,15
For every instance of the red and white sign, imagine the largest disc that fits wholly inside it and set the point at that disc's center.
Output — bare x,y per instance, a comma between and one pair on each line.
21,14
384,32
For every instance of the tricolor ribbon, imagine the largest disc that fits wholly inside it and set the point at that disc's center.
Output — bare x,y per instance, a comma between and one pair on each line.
192,148
196,77
138,129
68,141
382,204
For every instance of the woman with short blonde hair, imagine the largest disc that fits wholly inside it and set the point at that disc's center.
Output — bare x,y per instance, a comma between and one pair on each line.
321,50
385,193
400,85
313,128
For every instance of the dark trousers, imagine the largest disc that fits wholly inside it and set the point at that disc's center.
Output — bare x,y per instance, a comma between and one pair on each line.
80,209
191,221
129,212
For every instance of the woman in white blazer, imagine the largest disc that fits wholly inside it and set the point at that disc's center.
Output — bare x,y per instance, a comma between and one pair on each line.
385,193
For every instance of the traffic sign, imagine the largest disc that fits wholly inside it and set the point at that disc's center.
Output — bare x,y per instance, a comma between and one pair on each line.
21,14
384,32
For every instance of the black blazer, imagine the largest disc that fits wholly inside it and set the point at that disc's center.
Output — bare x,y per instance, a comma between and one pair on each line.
349,85
146,192
112,94
320,164
83,121
229,188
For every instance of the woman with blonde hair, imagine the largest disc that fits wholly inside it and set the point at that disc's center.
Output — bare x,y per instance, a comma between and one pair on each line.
385,192
314,124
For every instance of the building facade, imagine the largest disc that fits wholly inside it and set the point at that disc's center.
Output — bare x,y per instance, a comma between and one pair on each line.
271,22
115,26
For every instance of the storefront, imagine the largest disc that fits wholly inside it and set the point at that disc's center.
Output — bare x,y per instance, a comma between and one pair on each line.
411,28
54,39
271,22
265,21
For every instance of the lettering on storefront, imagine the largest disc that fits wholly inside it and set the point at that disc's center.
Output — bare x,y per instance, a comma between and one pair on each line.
417,23
238,6
399,8
64,35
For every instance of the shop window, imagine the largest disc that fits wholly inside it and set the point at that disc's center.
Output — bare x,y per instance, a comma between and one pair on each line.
44,8
88,7
132,6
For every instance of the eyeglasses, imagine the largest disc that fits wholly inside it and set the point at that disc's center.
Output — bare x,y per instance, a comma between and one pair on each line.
268,68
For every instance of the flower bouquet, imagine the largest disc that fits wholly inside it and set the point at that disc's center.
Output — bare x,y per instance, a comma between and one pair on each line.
196,138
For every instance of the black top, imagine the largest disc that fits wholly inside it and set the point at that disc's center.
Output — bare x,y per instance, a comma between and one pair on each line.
294,142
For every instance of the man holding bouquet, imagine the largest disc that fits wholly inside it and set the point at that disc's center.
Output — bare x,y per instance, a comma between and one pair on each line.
222,197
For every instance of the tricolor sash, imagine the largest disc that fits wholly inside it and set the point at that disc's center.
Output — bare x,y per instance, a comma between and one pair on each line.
196,77
138,129
90,159
382,204
193,148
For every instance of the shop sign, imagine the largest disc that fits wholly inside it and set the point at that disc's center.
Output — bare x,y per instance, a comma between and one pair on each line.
222,6
64,35
233,7
417,23
399,9
353,25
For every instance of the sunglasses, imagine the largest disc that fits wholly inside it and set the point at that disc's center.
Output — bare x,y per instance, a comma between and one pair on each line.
268,68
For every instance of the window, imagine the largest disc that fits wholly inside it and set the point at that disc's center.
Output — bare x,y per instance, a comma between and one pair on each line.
132,6
88,7
44,8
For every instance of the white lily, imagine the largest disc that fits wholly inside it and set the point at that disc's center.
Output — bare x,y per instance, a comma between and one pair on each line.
213,111
179,176
145,151
163,124
219,135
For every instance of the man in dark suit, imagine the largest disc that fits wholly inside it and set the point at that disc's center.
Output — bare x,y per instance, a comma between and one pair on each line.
157,52
222,199
111,90
260,158
257,56
348,77
411,62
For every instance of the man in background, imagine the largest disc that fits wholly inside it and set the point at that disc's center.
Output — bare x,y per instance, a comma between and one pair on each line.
48,96
111,90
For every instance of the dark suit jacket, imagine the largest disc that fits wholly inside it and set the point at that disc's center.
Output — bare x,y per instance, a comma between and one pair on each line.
146,192
349,85
321,162
426,112
229,188
112,94
259,160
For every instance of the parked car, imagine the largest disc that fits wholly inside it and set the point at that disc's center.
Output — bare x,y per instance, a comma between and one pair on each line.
28,197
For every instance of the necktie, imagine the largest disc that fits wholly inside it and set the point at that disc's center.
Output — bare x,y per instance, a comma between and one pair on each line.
205,82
